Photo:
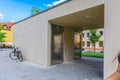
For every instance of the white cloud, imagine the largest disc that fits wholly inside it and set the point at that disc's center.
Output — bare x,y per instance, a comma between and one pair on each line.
49,5
58,2
1,16
54,3
12,21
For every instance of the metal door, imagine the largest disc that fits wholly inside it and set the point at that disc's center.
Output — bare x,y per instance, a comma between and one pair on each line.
57,46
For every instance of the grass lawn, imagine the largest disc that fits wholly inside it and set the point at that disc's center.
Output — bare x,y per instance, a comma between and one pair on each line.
89,54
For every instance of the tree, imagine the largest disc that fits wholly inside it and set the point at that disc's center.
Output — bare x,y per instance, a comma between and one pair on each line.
34,10
2,35
94,37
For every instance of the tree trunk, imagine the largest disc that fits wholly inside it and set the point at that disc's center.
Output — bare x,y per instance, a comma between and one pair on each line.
93,48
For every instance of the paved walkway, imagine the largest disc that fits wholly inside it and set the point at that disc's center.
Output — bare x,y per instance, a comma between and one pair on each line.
84,69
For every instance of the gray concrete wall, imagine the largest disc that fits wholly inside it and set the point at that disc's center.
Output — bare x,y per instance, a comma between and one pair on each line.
112,35
68,44
32,38
33,35
71,7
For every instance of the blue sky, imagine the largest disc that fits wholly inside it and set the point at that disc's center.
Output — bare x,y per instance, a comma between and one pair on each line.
16,10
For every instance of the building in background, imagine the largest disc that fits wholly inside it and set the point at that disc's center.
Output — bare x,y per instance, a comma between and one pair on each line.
86,44
8,30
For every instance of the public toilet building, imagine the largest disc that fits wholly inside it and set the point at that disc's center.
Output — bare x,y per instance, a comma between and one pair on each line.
48,37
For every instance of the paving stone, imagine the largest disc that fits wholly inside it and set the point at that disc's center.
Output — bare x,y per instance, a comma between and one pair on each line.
85,69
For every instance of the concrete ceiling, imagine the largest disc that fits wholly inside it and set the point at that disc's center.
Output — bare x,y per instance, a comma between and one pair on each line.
86,19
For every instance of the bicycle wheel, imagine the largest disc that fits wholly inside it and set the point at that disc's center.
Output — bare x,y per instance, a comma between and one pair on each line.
20,57
13,56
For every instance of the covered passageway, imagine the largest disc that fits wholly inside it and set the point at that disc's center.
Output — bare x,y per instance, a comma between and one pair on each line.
64,29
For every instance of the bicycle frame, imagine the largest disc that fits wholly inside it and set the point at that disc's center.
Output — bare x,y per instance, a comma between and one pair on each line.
16,53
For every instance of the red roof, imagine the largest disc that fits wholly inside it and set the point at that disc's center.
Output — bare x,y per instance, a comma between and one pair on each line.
8,25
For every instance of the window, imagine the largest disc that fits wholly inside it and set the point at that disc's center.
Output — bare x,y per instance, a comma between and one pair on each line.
100,43
75,37
82,34
101,33
88,34
88,43
83,44
5,27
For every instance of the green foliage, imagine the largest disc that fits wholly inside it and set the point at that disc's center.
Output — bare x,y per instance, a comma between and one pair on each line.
2,35
89,54
77,52
94,37
96,55
34,10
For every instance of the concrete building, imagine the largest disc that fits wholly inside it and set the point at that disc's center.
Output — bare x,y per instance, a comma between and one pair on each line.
112,33
36,35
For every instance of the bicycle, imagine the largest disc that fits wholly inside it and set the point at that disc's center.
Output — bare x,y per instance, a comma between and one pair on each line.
16,54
